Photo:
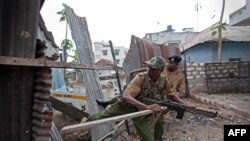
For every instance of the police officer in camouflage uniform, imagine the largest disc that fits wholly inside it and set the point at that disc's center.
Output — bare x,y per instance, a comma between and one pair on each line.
151,85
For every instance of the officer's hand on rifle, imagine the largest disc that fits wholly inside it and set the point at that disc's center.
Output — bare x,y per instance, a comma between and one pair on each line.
154,107
192,106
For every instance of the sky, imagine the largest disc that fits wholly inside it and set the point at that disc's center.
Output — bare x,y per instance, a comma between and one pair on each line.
117,20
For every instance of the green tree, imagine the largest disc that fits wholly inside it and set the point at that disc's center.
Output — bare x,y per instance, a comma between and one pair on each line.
66,44
218,29
68,47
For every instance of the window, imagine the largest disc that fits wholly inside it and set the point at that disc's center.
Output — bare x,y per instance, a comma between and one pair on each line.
235,59
105,45
105,52
97,48
174,44
116,83
116,51
110,84
117,61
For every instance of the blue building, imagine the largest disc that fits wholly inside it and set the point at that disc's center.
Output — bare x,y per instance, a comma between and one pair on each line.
202,48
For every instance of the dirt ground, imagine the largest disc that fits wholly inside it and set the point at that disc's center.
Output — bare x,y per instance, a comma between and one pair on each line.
201,128
191,127
198,127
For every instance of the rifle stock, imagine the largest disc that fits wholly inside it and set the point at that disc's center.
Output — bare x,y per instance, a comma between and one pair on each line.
180,108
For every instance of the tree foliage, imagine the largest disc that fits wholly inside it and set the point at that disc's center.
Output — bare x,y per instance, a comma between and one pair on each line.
67,44
63,15
218,27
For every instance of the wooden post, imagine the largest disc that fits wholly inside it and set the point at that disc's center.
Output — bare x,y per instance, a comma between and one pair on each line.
116,69
118,79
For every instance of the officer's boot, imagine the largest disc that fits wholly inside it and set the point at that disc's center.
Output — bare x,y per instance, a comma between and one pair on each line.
102,103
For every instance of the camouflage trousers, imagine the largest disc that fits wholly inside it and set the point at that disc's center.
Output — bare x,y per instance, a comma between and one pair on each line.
141,124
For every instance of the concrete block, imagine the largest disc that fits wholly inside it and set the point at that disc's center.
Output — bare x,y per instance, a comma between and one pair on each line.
189,64
194,72
198,68
190,68
197,76
199,84
201,72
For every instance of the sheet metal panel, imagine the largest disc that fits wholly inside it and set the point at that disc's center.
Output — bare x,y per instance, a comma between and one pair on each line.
18,26
143,49
81,37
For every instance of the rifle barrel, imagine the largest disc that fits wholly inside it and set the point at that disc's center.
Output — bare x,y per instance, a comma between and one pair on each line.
202,112
174,105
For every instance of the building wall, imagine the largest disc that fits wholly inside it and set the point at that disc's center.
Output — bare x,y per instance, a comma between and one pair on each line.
226,77
196,77
241,17
207,52
110,87
100,47
200,53
167,38
236,50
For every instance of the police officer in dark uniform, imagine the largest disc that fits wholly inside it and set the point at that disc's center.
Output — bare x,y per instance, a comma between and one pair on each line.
174,74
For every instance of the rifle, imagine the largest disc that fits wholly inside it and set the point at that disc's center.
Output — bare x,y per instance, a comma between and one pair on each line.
180,108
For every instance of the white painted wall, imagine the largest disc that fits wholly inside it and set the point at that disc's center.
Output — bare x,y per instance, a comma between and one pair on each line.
240,15
99,49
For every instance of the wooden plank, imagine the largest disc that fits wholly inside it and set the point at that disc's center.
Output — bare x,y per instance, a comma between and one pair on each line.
76,127
119,131
111,77
68,109
68,95
16,61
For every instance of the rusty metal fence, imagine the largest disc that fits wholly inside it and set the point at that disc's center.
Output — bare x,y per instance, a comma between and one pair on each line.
228,77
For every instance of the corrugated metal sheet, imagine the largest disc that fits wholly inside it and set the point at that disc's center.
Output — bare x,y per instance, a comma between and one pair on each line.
18,28
55,134
57,80
143,49
81,37
41,114
232,33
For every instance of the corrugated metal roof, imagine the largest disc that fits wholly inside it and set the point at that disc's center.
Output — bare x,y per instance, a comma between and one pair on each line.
104,62
47,35
232,33
143,49
44,35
